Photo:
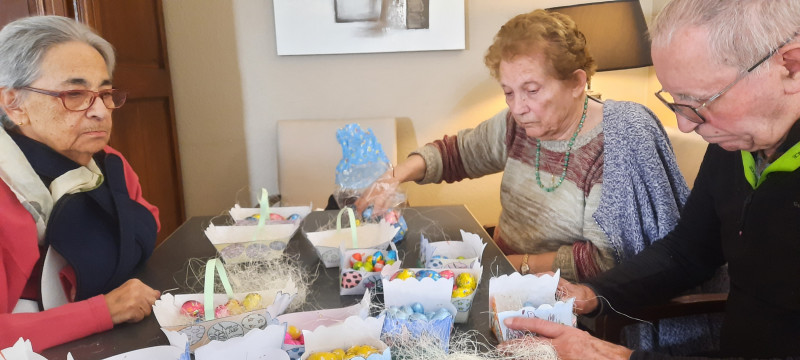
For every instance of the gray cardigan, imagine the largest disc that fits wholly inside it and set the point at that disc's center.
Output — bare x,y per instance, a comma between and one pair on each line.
643,189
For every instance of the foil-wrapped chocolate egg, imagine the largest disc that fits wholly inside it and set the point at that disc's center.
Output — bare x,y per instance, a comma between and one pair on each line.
234,307
252,302
275,216
221,312
193,308
466,280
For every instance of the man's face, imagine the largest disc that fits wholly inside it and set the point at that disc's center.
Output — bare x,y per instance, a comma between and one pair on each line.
749,116
74,134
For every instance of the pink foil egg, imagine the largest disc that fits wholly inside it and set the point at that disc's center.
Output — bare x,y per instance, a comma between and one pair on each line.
221,312
274,216
447,274
192,308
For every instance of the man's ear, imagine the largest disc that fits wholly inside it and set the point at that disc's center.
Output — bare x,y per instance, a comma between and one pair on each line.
790,60
10,103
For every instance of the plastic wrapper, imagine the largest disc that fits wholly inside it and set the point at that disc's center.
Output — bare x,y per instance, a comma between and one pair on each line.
363,163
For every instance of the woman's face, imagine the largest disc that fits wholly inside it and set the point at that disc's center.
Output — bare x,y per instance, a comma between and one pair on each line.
74,134
541,104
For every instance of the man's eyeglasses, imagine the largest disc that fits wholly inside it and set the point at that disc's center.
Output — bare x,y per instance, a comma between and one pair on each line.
80,100
692,113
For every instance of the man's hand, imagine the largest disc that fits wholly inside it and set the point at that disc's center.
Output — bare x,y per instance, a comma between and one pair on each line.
585,298
131,302
569,342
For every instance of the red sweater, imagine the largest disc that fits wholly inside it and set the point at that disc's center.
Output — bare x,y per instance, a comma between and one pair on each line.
19,254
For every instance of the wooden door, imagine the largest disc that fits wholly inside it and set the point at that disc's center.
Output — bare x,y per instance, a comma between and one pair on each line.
144,129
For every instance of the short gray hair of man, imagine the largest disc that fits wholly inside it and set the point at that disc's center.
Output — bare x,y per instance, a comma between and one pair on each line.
741,32
24,42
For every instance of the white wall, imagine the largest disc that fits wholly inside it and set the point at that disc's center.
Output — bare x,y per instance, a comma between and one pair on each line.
231,88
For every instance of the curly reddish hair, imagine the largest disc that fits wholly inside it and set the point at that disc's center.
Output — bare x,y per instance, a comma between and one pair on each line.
552,33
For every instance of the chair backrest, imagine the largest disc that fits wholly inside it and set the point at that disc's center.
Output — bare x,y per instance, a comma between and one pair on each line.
689,151
308,153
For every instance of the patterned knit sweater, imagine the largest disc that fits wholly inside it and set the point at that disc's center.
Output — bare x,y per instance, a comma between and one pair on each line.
563,221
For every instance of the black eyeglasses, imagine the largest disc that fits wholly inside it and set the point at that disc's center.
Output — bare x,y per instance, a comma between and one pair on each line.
80,100
692,113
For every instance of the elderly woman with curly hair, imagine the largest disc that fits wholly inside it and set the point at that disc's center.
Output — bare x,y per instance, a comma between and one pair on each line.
75,225
585,183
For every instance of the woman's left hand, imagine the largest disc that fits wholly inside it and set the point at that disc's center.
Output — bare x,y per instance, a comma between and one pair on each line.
569,342
131,301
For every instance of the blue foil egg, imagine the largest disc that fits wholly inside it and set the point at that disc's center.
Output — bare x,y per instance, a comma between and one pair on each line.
391,255
293,217
417,308
406,310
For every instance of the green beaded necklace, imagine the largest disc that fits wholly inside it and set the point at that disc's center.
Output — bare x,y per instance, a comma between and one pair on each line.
566,156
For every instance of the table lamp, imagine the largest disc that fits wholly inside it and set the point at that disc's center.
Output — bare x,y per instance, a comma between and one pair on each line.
616,33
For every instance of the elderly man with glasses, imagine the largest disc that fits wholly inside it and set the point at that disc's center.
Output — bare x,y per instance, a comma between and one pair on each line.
75,226
730,71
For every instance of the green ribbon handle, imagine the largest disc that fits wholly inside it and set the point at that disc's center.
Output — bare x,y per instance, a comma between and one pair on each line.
788,162
213,266
262,218
352,217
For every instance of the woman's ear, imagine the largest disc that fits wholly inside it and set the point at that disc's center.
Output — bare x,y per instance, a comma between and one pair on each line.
579,78
790,60
10,103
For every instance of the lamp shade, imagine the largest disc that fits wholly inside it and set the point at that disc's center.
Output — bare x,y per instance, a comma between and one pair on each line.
615,31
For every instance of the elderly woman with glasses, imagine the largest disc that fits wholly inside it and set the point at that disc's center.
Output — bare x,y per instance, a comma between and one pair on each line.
75,225
585,183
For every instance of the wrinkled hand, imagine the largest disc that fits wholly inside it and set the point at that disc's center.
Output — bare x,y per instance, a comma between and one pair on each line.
585,298
569,342
381,195
131,302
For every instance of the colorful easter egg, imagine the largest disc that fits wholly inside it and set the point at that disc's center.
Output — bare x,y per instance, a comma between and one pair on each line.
221,312
276,216
252,302
447,274
234,307
351,279
466,280
193,308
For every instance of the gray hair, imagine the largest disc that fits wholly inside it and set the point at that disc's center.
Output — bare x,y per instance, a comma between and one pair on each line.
24,42
741,32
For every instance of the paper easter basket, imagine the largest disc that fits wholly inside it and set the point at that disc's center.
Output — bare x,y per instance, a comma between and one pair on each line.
527,296
311,320
266,239
351,332
357,281
432,294
462,303
371,236
207,327
452,254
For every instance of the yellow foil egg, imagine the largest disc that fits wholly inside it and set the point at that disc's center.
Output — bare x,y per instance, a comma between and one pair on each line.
294,332
462,292
252,302
234,307
466,280
323,356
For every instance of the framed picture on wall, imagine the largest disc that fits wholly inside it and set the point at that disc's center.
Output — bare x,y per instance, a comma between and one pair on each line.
309,27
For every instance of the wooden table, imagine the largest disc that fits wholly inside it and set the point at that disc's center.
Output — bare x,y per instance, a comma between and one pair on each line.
168,266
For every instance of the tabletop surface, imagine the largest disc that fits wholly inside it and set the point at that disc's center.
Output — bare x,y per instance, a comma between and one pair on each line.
167,269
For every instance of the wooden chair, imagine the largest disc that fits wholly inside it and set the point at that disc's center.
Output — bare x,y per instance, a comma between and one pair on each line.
609,326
